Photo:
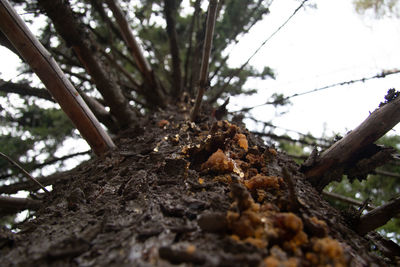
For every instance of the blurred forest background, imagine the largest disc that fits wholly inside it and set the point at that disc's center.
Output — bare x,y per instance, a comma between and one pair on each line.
35,131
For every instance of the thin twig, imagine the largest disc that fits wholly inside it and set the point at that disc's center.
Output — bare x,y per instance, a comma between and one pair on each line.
23,171
346,199
239,70
203,81
12,205
383,74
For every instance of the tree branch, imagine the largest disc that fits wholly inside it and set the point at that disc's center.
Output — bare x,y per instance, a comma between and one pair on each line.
381,75
26,174
345,151
6,43
347,200
190,46
241,68
170,10
153,94
83,45
203,81
134,84
386,173
12,205
25,90
101,113
54,79
378,217
47,180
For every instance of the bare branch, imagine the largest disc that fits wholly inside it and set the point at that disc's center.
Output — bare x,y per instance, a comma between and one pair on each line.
101,113
24,90
153,94
241,68
170,9
235,40
12,205
343,152
190,45
71,30
6,43
54,79
381,75
135,85
287,138
386,173
347,200
46,180
378,217
203,81
23,171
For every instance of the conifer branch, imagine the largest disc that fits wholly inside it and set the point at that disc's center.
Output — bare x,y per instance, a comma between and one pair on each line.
53,78
203,81
27,175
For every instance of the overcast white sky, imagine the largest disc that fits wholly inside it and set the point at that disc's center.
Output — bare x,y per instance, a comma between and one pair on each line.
318,47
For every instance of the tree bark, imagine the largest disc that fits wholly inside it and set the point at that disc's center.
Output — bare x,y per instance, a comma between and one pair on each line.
12,205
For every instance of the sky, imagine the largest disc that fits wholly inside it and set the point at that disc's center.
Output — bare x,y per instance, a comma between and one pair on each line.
318,47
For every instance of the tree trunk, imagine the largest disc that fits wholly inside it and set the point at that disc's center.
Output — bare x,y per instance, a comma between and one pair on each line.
176,192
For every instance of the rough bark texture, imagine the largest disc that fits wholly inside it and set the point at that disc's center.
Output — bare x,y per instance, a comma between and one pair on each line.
176,192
